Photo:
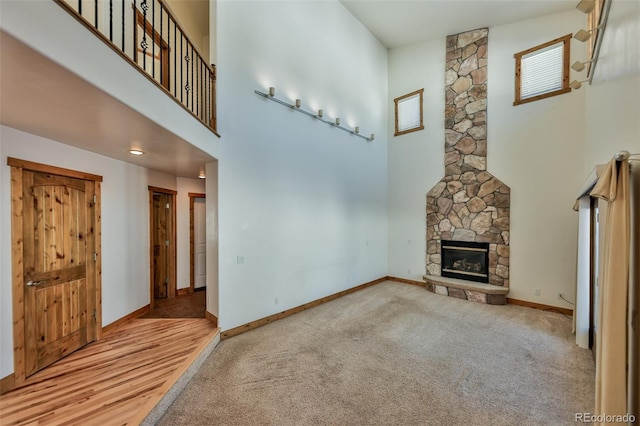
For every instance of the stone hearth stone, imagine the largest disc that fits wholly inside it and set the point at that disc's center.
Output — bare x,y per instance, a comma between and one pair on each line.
441,289
477,292
476,296
457,292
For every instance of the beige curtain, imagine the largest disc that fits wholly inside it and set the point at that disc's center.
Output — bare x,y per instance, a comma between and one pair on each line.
611,345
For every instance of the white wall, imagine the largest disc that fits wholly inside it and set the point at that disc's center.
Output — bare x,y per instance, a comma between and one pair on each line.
302,205
416,160
537,149
183,250
534,148
125,227
213,248
193,18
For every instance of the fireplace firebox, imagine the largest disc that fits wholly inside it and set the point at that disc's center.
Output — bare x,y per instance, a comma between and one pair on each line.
465,260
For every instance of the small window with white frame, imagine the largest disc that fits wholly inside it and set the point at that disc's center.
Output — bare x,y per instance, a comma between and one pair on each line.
409,113
543,71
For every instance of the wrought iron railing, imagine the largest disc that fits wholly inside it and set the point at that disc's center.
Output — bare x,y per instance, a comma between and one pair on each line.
146,34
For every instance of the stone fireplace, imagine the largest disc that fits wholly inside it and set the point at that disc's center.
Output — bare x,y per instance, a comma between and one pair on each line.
469,204
465,260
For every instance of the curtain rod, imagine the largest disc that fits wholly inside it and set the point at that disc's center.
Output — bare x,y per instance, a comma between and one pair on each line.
600,36
626,155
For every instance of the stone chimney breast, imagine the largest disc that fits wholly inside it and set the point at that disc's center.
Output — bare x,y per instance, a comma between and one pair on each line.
469,203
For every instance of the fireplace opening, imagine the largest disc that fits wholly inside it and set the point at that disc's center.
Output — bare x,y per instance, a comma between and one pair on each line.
465,260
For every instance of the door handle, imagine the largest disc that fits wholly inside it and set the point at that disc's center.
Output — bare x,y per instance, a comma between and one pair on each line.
35,283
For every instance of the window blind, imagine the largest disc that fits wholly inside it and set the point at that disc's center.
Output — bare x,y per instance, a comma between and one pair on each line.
541,71
409,113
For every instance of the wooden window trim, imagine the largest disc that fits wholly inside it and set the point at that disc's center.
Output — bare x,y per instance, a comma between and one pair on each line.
566,57
399,99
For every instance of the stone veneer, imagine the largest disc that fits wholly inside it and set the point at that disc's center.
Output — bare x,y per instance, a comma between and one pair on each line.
469,203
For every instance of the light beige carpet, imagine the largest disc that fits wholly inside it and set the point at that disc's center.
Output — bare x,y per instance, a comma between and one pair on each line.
395,354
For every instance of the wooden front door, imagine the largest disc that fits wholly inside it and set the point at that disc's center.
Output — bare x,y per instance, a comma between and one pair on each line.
59,287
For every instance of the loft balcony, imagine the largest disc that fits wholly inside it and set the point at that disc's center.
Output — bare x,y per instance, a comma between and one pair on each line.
101,92
147,34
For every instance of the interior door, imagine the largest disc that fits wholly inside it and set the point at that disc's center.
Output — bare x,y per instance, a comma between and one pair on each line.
200,243
59,294
161,241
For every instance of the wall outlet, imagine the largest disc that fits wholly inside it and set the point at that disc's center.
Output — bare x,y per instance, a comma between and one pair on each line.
409,271
536,291
275,301
240,260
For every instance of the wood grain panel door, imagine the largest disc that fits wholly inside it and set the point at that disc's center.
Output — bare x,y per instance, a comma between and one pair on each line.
162,214
59,298
55,266
161,242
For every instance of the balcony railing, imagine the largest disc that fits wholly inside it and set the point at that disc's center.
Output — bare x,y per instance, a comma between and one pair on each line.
146,34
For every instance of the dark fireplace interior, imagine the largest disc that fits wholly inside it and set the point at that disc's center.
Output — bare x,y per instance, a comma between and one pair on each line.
465,260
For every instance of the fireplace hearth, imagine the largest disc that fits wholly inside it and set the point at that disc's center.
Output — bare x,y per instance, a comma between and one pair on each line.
465,260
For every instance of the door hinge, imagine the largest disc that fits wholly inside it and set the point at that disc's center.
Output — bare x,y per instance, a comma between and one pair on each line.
95,257
95,315
94,198
167,205
166,280
166,243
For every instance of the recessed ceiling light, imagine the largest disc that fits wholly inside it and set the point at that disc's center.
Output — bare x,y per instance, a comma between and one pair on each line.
136,152
201,175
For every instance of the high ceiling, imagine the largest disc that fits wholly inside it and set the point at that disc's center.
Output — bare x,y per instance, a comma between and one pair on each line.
400,22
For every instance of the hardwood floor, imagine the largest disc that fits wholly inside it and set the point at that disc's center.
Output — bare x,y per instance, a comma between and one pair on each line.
185,306
117,380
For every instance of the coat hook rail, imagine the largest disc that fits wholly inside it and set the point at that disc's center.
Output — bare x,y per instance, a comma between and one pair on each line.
317,116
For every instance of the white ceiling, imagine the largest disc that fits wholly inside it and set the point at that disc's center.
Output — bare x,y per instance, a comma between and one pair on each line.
43,98
400,22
